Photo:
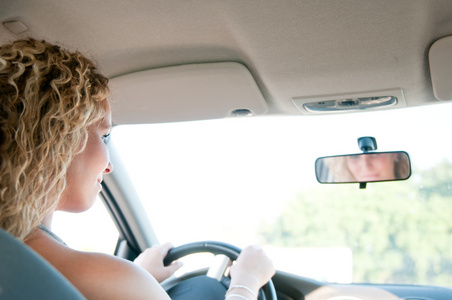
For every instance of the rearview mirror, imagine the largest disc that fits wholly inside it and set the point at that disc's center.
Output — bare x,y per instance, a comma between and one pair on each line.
363,167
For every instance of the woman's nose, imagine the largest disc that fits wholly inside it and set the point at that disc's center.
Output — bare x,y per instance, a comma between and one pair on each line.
369,162
109,168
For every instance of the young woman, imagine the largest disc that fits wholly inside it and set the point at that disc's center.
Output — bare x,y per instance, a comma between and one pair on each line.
54,125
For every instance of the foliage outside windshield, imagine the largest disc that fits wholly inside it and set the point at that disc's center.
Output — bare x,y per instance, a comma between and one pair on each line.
252,180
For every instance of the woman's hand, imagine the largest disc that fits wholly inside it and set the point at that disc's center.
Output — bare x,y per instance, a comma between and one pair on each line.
253,268
151,260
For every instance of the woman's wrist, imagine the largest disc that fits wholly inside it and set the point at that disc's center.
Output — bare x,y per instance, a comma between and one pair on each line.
237,296
245,279
240,291
239,287
246,287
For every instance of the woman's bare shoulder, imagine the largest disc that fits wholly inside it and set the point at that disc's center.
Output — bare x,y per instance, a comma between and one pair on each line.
108,277
98,275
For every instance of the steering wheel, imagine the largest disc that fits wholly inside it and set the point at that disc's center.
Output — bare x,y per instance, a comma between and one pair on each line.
216,248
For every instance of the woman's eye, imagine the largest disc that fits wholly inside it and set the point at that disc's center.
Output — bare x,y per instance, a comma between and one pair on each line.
106,138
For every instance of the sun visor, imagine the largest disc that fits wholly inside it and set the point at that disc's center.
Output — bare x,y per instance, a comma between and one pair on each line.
186,92
440,59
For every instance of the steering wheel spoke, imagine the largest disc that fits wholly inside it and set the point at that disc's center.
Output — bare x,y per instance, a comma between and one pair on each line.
218,267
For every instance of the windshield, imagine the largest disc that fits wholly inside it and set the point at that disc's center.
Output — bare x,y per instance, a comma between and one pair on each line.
252,181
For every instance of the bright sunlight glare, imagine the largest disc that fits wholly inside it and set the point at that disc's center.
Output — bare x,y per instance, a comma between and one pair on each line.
168,161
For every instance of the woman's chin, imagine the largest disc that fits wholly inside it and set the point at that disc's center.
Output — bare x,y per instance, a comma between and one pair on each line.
76,206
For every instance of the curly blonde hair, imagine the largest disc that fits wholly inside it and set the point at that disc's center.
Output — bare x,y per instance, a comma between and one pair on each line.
49,96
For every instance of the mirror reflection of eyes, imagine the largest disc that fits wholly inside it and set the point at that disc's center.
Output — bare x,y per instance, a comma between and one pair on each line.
364,167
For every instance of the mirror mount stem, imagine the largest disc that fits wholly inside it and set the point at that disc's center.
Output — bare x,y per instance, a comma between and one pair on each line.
367,144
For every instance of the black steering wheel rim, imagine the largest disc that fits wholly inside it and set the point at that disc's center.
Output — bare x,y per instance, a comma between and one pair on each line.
215,248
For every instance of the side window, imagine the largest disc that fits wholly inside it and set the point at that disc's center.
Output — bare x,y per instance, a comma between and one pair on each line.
92,230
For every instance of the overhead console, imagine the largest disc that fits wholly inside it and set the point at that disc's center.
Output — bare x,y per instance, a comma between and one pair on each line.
371,100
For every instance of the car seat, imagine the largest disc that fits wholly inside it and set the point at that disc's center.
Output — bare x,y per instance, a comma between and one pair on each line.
26,275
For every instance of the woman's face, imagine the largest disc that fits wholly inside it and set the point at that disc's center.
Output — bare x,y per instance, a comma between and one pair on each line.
372,167
85,174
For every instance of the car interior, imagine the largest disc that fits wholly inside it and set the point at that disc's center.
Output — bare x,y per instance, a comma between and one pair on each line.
243,122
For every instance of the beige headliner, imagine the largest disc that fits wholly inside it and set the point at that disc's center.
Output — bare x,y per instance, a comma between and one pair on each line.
292,48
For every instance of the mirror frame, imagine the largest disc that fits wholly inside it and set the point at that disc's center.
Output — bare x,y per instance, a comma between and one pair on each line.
321,167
